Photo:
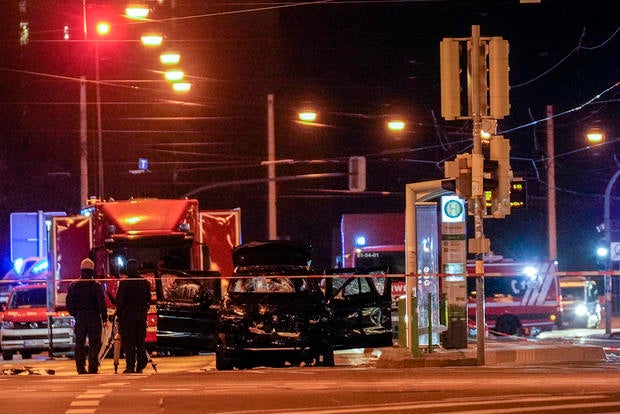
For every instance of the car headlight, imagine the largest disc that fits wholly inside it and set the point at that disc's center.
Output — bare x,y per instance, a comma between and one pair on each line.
581,310
62,323
7,325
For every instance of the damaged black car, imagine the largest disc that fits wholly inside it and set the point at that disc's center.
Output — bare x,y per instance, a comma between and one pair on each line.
277,311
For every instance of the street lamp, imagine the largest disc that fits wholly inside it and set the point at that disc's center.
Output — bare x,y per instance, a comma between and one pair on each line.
595,135
307,116
170,58
152,39
137,11
396,125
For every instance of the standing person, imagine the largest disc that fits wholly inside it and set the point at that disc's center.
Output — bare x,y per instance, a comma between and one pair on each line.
86,303
132,305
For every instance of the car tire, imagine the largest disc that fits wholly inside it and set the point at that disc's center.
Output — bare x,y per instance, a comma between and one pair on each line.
325,356
328,358
508,325
222,363
7,356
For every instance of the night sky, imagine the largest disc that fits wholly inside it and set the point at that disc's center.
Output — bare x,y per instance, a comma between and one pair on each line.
356,61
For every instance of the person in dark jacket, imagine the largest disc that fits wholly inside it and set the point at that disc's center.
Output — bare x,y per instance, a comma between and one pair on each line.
132,304
86,303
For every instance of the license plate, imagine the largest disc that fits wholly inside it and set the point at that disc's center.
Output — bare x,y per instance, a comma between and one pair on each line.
34,342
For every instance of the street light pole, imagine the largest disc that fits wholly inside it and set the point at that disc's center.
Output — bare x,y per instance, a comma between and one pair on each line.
271,170
83,143
607,224
99,133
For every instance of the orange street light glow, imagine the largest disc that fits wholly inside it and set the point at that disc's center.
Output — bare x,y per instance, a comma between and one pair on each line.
307,116
396,125
181,86
170,58
595,135
152,39
137,11
174,75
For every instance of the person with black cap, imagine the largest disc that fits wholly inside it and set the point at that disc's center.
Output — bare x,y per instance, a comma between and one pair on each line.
86,303
132,304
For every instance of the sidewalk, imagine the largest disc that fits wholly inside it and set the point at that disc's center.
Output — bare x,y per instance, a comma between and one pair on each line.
495,354
548,347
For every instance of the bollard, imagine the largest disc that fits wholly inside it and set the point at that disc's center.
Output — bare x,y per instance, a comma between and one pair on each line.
443,309
413,324
50,333
402,322
429,308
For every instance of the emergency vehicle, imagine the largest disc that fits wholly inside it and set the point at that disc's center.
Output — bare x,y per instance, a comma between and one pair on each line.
520,298
27,326
159,233
580,302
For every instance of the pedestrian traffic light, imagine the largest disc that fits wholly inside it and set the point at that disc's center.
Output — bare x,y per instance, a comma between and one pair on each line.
357,174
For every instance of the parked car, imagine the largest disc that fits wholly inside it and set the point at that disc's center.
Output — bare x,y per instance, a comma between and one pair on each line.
580,303
277,311
27,326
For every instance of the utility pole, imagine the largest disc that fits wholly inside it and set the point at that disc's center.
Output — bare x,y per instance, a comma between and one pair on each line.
477,193
83,144
551,208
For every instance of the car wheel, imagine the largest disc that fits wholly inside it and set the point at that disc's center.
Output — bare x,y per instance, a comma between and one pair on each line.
508,325
222,363
328,358
7,356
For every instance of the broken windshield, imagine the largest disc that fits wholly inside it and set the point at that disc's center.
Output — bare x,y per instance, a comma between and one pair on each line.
262,285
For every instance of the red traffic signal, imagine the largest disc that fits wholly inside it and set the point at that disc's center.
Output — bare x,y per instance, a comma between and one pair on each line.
103,28
102,21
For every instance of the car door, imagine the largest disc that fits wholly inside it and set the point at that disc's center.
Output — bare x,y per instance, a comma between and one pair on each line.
186,313
362,310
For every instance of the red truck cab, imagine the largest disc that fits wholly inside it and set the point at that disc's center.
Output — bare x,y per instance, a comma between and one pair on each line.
27,326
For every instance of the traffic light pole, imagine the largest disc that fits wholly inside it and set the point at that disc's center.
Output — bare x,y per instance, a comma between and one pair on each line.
488,99
477,191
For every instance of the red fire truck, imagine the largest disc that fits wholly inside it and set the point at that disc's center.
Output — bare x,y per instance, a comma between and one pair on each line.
159,233
520,298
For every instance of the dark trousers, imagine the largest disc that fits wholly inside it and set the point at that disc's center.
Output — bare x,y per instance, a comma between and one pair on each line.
87,325
133,334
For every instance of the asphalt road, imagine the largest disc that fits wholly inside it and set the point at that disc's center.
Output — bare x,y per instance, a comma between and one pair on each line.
192,385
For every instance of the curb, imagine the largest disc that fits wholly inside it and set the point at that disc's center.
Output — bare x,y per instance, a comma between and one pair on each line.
522,354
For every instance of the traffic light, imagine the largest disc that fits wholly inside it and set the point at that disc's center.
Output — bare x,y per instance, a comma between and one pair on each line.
357,174
103,28
499,86
460,170
502,175
102,22
450,72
